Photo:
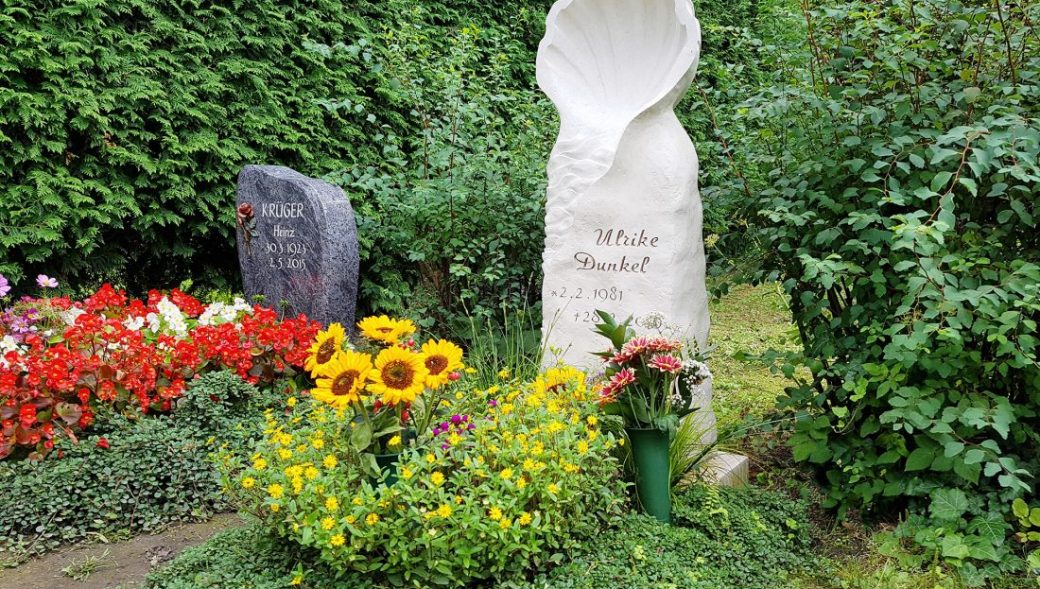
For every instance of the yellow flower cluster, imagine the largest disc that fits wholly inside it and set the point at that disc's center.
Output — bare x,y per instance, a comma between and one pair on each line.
397,373
528,463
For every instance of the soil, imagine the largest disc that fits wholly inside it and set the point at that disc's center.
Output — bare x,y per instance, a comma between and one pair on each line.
107,566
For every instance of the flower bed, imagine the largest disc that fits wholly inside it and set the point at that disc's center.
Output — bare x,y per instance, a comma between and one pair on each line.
488,483
61,361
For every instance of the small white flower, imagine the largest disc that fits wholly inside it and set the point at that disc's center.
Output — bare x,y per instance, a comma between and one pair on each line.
154,324
134,323
70,316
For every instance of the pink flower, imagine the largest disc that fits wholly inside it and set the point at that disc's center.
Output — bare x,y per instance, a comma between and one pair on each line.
621,379
46,281
631,350
666,363
660,344
5,286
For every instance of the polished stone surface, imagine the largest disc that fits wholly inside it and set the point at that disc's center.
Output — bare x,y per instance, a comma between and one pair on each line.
297,244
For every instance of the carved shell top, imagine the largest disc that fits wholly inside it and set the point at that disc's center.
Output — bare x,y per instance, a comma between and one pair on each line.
603,63
606,59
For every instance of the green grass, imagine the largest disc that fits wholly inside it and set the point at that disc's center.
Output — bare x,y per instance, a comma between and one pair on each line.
749,320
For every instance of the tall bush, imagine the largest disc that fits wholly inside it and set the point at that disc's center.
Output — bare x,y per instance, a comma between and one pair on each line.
451,215
123,123
901,217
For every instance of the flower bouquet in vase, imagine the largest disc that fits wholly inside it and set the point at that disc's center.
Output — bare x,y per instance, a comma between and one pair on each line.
651,387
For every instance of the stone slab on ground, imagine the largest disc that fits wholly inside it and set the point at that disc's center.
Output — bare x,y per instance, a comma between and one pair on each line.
118,564
726,469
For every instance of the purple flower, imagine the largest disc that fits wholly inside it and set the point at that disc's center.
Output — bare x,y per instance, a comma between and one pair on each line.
456,419
46,281
5,286
493,403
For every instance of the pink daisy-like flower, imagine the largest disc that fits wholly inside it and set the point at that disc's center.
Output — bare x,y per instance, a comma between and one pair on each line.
46,281
666,363
660,344
631,350
621,379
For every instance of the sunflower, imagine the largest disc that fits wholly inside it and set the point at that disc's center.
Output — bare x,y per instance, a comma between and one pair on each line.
385,329
342,379
400,375
325,346
441,359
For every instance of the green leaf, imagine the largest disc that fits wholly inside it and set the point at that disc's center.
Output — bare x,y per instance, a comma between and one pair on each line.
940,180
361,437
952,448
920,459
1020,508
948,504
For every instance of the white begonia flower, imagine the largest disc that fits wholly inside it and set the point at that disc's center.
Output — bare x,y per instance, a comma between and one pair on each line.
154,324
134,323
70,316
7,345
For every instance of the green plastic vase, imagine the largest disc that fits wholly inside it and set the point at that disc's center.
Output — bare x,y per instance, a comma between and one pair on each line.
653,473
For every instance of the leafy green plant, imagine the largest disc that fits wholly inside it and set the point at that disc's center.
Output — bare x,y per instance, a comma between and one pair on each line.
451,223
499,493
131,475
763,540
900,216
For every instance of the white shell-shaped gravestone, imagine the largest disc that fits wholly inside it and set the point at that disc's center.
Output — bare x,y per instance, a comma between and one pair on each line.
623,215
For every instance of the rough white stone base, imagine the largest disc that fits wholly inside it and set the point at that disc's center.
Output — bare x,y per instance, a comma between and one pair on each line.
725,469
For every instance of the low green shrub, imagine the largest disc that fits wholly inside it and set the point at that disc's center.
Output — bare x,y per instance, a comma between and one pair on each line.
501,492
129,475
724,539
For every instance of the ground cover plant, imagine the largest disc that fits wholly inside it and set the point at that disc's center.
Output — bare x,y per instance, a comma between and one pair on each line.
724,538
130,476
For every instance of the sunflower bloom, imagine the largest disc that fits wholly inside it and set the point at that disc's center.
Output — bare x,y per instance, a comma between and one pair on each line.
399,377
342,380
325,346
441,358
384,329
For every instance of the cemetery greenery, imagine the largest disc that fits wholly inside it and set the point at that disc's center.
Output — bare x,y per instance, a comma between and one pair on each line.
884,171
112,175
898,208
506,483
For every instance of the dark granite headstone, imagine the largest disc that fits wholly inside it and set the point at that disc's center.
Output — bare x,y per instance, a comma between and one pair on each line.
297,244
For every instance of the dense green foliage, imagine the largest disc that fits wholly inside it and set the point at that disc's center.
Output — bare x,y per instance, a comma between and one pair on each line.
450,214
900,216
153,472
723,538
727,538
125,122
